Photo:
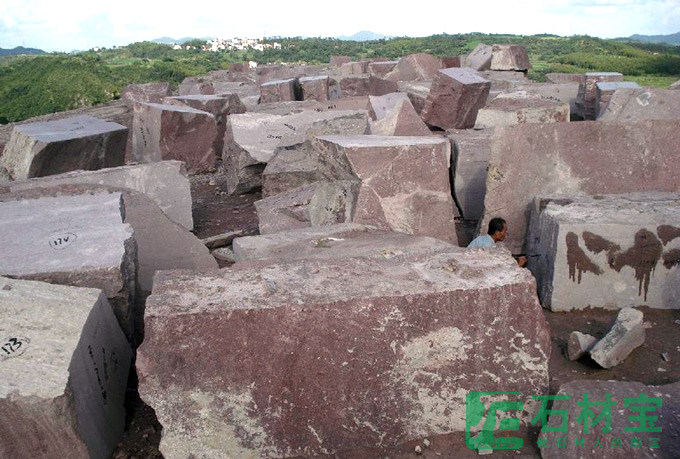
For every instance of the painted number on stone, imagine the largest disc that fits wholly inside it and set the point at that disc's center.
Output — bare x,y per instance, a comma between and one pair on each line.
13,347
61,241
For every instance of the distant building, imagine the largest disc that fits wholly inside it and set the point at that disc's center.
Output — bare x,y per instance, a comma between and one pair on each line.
241,44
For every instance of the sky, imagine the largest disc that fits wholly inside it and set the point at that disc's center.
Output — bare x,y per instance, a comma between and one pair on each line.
66,25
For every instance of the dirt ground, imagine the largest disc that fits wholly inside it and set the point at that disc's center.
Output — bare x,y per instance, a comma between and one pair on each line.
215,212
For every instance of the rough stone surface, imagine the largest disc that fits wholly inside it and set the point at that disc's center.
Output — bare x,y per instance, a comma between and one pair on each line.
396,116
285,342
469,164
579,344
480,57
365,85
192,86
381,68
54,147
642,104
316,204
667,410
72,240
279,90
220,105
314,88
252,139
456,96
586,245
145,93
509,57
417,92
559,92
627,333
530,160
604,91
224,254
165,182
450,61
419,66
559,78
162,132
520,107
333,242
222,240
504,80
354,68
63,369
586,101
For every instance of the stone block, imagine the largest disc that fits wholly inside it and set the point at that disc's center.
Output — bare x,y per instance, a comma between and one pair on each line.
579,344
72,240
521,107
504,80
55,147
290,341
165,182
604,91
314,88
332,242
279,90
417,92
469,164
607,251
587,92
628,398
338,60
401,119
559,92
455,97
642,104
559,78
164,132
353,86
480,57
354,68
252,139
419,66
450,61
626,334
219,105
145,93
381,68
529,160
193,86
64,371
509,57
316,204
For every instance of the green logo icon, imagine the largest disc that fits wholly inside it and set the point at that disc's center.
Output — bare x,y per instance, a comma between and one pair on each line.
476,411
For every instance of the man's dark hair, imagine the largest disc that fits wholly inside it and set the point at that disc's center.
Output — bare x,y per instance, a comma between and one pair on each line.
496,224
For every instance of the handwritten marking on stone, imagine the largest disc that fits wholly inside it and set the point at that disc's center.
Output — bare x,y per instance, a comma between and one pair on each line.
62,241
13,347
289,126
105,375
270,136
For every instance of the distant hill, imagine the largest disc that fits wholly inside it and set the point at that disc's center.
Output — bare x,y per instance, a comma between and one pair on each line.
364,35
672,39
172,41
20,50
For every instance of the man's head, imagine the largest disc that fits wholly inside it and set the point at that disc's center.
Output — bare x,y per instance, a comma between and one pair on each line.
498,229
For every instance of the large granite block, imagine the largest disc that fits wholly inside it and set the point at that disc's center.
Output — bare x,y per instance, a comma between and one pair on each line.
587,92
314,88
559,92
420,66
193,85
521,107
455,97
145,93
284,346
395,115
480,57
55,147
469,164
509,57
279,90
529,160
417,92
163,132
165,182
642,104
365,85
604,91
381,68
354,68
63,370
72,240
609,251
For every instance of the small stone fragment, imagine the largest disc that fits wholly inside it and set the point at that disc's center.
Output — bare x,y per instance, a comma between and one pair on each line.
578,344
625,335
418,449
666,356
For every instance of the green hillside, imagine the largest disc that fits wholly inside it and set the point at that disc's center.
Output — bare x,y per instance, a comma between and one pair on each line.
35,85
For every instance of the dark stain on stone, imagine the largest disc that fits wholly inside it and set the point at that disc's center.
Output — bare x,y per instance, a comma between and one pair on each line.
578,260
671,258
642,257
597,244
667,233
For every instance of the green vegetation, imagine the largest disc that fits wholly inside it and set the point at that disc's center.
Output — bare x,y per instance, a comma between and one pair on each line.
35,85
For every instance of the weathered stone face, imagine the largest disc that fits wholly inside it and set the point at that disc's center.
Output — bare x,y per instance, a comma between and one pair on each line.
290,341
381,68
396,116
279,90
605,90
144,93
642,104
521,107
509,57
363,85
417,93
587,92
55,147
504,80
625,398
163,132
354,68
420,66
192,86
64,371
455,97
559,78
470,160
530,160
608,251
450,61
558,92
480,57
314,88
165,182
627,333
